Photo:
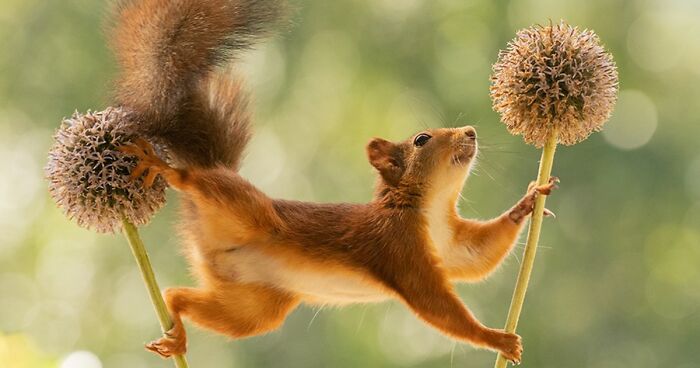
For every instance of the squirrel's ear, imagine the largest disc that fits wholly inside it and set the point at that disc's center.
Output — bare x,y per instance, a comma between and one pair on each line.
386,158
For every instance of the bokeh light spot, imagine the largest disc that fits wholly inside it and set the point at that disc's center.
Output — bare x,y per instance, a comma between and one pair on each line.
653,44
633,122
81,359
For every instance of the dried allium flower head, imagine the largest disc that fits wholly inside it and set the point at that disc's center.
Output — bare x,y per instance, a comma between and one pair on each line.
554,77
89,178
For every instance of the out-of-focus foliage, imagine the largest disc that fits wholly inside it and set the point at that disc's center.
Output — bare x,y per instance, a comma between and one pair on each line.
616,279
18,352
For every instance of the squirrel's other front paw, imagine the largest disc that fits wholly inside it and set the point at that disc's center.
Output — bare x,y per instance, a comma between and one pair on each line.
545,189
527,204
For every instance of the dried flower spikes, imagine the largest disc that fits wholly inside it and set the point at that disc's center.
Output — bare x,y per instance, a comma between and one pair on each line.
89,179
554,77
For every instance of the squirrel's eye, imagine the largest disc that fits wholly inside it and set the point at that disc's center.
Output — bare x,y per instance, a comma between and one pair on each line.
421,139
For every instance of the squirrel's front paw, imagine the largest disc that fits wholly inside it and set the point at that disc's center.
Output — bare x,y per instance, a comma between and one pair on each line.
545,189
148,161
172,343
527,204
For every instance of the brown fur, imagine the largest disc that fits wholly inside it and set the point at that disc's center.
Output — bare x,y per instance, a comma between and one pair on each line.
168,52
385,246
257,258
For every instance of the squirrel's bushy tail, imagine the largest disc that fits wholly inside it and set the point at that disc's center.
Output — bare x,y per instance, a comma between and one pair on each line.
168,51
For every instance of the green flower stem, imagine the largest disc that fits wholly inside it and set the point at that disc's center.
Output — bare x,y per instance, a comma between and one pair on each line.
533,236
141,256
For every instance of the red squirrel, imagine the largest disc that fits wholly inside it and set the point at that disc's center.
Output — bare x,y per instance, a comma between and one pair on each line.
257,258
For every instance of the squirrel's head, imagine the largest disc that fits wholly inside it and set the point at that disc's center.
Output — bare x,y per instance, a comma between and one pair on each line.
428,161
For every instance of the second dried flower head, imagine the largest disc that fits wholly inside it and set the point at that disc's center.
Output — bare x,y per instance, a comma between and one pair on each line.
554,78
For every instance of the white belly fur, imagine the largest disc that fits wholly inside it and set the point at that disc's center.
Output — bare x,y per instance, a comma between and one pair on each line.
251,265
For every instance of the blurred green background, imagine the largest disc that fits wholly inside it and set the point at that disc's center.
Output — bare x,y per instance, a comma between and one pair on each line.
616,282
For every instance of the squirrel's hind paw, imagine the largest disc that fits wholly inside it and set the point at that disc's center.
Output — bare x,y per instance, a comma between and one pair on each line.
508,344
172,343
148,160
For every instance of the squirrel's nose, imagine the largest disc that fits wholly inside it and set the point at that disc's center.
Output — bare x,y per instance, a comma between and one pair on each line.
470,132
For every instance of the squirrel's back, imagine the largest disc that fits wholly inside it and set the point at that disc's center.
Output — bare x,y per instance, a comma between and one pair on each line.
168,52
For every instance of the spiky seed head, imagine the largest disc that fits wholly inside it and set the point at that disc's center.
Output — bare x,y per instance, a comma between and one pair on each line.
88,177
554,77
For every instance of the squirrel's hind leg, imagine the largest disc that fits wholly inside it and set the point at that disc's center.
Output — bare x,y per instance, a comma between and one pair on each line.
233,309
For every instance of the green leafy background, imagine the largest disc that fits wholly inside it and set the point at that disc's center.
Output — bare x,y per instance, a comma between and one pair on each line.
616,279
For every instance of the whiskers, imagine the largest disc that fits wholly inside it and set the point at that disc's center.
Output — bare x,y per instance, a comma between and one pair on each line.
463,200
320,308
493,167
513,152
362,320
521,247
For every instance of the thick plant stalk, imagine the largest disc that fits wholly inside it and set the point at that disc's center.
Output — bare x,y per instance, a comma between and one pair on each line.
141,256
533,236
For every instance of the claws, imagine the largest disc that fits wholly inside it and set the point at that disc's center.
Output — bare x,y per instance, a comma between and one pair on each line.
148,160
138,171
172,343
509,345
151,176
130,149
547,189
527,203
549,213
139,147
